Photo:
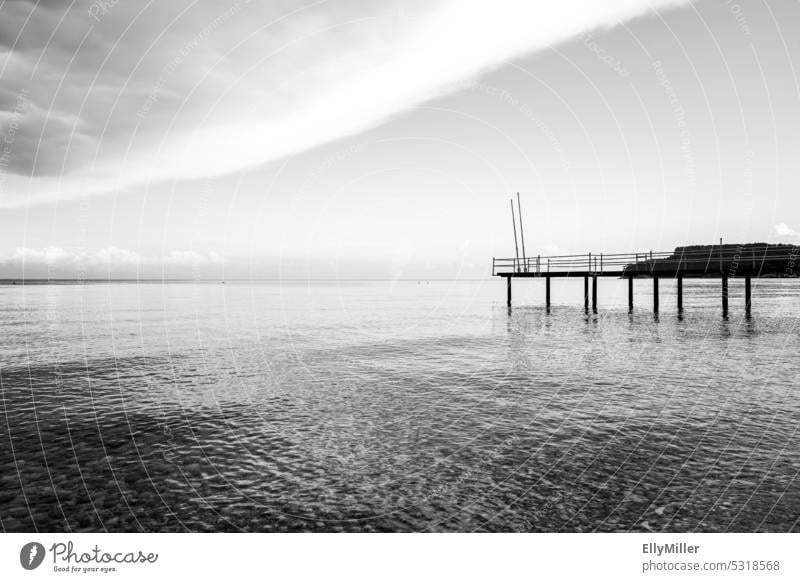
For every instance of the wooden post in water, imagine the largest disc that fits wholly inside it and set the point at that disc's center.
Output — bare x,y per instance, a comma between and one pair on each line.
586,292
508,289
724,294
680,292
747,293
630,293
655,293
594,292
547,290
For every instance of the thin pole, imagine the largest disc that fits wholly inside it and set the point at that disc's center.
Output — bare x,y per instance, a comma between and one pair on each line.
521,231
514,224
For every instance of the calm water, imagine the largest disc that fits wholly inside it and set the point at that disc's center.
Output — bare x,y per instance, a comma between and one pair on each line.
397,406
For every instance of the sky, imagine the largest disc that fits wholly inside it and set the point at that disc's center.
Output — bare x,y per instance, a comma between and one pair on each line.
344,139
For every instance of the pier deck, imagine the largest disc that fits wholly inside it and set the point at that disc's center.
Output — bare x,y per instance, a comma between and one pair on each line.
714,261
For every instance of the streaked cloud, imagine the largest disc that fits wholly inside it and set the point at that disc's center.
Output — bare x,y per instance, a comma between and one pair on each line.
137,94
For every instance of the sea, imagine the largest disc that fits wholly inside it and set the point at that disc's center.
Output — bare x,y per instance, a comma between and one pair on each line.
398,406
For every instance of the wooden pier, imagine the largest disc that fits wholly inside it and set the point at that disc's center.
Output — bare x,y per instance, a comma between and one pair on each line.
707,262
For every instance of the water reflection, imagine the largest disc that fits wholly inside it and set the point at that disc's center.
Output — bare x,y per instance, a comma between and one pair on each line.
323,413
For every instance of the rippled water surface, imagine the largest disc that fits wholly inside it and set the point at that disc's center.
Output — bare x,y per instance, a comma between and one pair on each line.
397,406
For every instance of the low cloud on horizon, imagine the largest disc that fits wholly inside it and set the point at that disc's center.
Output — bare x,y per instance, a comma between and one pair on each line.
784,230
59,263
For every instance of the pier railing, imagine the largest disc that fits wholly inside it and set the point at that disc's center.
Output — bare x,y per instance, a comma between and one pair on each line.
751,259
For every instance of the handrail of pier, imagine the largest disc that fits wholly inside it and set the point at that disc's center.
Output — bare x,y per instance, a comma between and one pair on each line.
707,259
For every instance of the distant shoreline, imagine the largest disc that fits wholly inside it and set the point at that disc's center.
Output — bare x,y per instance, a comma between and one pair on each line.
22,282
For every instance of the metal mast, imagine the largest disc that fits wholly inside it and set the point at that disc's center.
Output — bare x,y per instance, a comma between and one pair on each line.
514,223
521,232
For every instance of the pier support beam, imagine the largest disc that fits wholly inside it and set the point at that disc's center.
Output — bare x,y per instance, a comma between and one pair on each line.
680,292
630,293
594,292
724,294
747,294
508,291
547,290
655,293
586,292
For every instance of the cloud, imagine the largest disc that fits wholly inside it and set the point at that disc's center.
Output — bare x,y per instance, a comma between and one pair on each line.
46,255
191,258
53,256
114,255
135,95
783,229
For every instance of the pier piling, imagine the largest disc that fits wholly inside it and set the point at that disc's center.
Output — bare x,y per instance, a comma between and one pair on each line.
630,293
547,290
680,292
655,293
594,292
724,294
586,291
747,294
508,290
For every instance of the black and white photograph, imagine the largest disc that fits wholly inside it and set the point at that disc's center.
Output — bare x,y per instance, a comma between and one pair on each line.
311,272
